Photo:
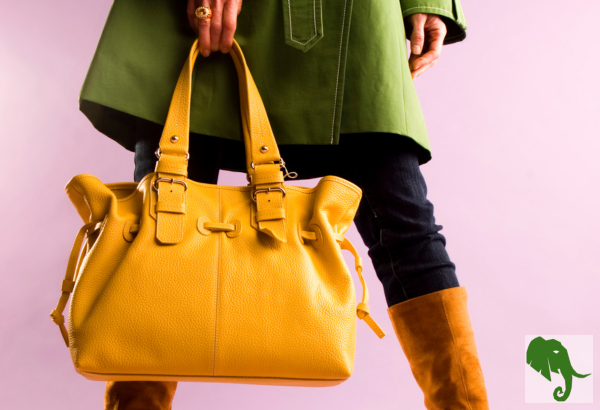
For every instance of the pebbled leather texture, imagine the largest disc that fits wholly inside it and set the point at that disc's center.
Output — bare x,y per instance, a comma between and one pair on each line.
187,281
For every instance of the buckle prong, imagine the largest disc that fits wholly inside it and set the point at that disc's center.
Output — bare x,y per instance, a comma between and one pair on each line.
268,190
171,180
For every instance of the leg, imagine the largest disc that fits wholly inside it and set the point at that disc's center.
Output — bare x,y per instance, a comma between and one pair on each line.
427,306
142,395
395,218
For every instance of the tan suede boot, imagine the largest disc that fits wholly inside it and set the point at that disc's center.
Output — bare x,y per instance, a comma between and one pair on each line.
436,336
140,395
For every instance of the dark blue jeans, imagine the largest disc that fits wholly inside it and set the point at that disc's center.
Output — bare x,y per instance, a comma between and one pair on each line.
395,218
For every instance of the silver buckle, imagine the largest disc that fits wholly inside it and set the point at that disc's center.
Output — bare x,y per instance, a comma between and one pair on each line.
171,180
268,190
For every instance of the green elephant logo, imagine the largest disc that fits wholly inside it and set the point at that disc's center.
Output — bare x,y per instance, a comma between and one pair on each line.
550,355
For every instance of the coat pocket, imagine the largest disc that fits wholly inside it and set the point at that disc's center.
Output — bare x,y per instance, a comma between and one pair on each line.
303,21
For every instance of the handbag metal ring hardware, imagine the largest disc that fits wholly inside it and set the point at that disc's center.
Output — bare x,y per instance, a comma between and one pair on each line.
267,190
281,166
287,173
158,153
171,180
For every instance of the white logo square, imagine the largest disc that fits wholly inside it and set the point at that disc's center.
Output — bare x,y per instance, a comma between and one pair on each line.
565,360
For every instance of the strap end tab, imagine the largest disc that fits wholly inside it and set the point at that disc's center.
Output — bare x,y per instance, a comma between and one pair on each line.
362,311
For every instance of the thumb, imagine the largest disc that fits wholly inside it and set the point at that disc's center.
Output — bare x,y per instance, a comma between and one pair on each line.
417,37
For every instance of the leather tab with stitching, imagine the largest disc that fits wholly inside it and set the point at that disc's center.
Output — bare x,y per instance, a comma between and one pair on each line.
67,286
270,211
172,164
267,174
268,215
266,203
170,212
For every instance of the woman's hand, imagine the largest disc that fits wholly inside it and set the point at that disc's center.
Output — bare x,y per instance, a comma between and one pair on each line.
216,33
426,41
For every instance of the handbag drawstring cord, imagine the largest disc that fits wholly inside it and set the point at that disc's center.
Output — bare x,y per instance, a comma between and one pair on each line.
362,310
69,282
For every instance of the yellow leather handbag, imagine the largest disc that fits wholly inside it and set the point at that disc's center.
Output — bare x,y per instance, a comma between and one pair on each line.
187,281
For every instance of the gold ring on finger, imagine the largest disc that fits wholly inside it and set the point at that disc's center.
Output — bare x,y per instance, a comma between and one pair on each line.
203,12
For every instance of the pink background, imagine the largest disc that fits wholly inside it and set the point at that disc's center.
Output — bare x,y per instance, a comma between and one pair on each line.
512,115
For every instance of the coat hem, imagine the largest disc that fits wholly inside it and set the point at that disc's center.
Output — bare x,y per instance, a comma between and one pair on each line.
121,128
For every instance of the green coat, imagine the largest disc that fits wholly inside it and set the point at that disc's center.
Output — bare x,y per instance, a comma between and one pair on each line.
323,67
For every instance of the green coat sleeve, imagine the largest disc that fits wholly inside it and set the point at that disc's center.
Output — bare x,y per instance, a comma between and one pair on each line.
449,10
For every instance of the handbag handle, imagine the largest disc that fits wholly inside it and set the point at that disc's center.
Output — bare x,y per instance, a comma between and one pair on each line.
260,143
263,161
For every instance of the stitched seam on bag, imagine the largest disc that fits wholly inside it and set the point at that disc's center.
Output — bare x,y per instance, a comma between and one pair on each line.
79,178
338,72
310,191
83,196
128,197
89,207
462,377
426,7
217,290
189,90
300,189
346,185
178,104
354,207
291,31
208,377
